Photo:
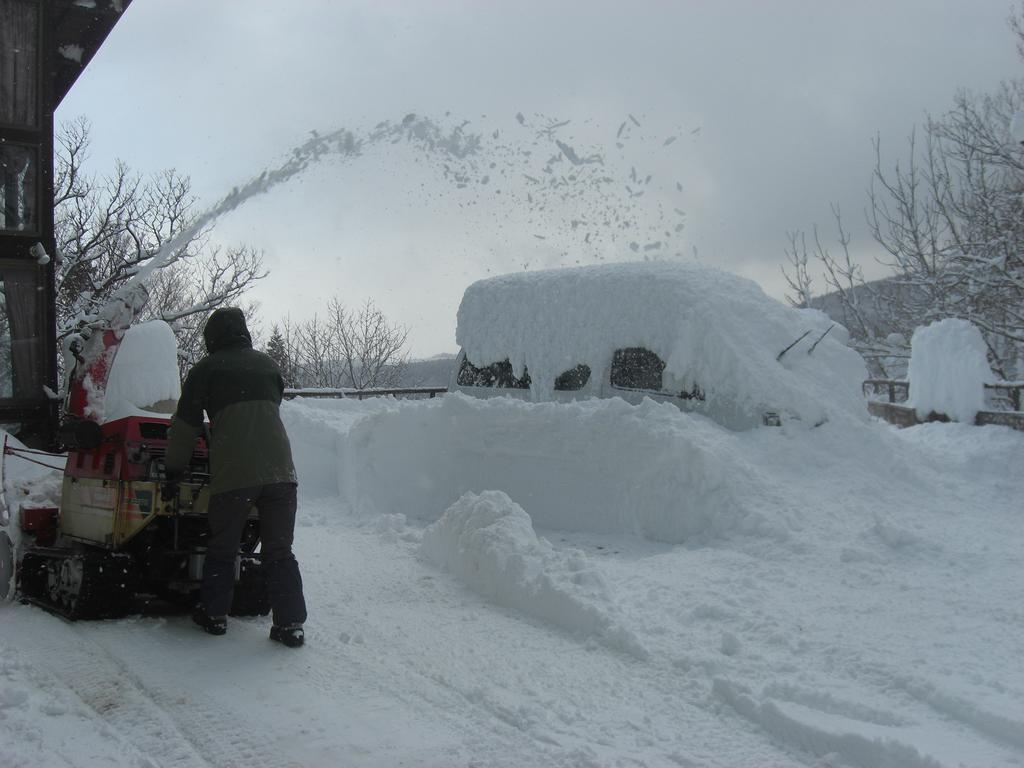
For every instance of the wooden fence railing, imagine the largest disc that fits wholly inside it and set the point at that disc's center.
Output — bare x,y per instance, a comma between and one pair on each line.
360,394
892,409
1005,395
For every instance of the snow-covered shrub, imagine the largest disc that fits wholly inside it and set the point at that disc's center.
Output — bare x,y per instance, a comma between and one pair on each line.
948,370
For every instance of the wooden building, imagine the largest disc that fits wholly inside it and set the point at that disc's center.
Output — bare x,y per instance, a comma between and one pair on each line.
44,46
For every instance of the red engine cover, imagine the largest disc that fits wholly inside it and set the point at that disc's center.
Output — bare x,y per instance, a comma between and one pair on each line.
124,453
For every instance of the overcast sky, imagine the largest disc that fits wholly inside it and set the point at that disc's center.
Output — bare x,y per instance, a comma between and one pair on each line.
750,116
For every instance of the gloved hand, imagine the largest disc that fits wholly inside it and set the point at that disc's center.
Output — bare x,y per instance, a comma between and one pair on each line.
169,487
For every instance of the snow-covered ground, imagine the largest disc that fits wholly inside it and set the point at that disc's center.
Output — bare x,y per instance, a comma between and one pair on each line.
500,583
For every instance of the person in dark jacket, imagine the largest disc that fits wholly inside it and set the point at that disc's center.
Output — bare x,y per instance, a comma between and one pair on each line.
251,465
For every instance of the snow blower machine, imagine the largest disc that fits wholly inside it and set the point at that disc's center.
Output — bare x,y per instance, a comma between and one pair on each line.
117,544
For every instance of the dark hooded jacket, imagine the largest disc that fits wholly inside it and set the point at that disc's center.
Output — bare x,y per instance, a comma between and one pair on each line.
240,389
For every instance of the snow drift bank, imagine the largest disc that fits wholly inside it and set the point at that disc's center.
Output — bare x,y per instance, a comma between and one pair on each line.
317,430
600,466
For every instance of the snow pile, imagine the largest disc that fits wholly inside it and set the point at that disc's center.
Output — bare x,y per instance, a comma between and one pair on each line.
145,372
487,541
948,370
601,466
714,330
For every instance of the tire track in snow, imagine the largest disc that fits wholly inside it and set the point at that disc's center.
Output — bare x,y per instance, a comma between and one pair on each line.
808,718
378,644
169,716
991,725
224,742
603,707
367,658
780,644
855,748
39,715
100,682
819,723
247,701
826,702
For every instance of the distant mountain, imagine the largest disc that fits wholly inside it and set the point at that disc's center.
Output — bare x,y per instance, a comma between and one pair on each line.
431,372
887,289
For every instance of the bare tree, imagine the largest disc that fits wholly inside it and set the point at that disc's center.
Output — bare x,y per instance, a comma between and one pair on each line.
952,223
372,348
107,228
949,219
316,359
864,308
800,281
344,348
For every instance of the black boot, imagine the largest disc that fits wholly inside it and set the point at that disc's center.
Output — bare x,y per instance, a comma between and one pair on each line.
291,635
213,625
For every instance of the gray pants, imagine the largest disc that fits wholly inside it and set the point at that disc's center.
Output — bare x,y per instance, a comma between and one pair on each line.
227,516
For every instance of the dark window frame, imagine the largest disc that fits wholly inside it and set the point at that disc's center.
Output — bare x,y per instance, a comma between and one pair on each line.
34,209
642,362
497,375
637,369
29,324
36,119
573,379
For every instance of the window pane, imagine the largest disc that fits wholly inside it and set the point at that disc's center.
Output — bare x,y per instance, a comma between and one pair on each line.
494,375
573,379
18,174
19,84
21,335
637,368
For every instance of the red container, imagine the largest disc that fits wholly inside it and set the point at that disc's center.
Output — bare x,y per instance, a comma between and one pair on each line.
42,521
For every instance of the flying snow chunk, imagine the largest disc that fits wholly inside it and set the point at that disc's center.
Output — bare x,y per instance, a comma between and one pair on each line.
145,371
948,370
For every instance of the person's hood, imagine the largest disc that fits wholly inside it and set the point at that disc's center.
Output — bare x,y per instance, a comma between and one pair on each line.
226,328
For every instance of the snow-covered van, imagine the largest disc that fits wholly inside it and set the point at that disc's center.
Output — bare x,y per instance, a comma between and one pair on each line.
703,339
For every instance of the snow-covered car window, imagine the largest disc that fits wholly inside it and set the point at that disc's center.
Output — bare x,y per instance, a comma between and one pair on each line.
497,375
573,379
637,368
